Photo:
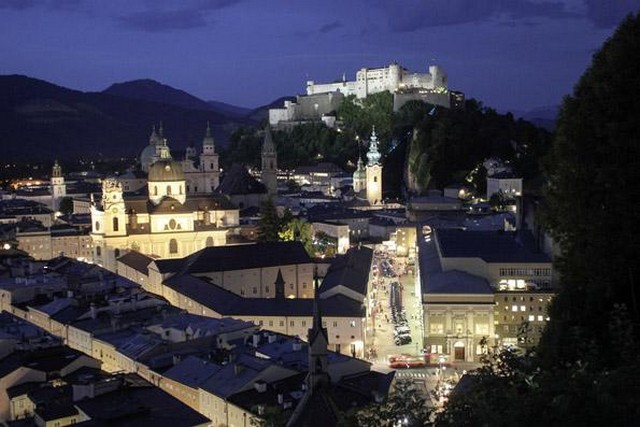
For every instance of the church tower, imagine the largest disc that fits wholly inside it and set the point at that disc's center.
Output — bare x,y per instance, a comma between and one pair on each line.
115,215
318,342
209,163
58,187
359,177
374,171
269,164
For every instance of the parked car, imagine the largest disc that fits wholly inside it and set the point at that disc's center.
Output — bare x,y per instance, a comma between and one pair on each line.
401,330
402,339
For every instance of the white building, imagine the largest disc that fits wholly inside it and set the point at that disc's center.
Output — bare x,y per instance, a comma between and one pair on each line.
505,184
393,78
166,224
201,172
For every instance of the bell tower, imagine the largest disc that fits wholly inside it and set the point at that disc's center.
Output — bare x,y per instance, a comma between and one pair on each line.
58,187
209,163
374,171
115,215
269,164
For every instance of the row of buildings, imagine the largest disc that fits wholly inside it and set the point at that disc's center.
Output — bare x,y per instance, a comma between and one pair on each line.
227,369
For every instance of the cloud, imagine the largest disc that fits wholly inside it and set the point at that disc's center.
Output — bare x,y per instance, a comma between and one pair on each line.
608,14
191,14
435,13
159,21
326,28
50,4
17,4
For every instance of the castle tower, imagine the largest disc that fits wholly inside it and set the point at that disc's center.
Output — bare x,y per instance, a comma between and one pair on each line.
209,162
269,164
374,171
318,342
58,187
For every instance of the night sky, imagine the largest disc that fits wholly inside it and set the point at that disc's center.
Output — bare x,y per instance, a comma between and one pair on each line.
510,54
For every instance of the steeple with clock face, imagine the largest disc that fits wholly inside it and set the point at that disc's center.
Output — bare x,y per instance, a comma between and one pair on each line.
114,208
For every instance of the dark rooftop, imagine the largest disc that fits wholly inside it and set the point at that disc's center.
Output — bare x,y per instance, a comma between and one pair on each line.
491,246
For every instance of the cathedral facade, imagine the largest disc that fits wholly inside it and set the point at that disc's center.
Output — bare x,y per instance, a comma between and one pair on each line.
170,222
201,170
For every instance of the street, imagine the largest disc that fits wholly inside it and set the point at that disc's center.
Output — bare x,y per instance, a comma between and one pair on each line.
395,306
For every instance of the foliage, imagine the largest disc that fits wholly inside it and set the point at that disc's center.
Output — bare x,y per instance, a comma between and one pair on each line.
513,389
245,145
297,229
592,206
269,224
66,205
360,115
586,370
404,405
325,244
447,145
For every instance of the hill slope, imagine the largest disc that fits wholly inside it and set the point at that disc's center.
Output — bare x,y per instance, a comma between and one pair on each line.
39,120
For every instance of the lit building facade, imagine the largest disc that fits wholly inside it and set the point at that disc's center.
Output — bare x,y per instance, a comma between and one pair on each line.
166,224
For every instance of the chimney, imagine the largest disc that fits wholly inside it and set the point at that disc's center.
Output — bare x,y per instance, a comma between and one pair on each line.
256,340
297,345
260,386
272,338
94,311
280,398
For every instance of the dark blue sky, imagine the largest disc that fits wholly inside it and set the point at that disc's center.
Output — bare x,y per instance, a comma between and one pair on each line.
510,54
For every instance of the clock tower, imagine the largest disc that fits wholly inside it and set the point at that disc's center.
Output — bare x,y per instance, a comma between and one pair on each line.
114,210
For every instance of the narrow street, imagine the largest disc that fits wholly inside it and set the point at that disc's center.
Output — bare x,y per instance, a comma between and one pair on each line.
393,272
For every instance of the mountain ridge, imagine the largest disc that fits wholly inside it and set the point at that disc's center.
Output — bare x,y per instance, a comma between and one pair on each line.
40,120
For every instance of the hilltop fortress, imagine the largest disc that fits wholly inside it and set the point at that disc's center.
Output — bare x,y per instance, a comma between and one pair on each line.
324,98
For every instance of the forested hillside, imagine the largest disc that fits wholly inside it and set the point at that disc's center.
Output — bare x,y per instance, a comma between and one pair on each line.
431,146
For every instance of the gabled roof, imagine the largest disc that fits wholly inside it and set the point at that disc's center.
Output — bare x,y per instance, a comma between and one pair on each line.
239,257
350,270
227,303
236,375
192,371
136,260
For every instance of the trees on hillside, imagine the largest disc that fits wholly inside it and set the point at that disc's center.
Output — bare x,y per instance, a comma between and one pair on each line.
593,206
586,370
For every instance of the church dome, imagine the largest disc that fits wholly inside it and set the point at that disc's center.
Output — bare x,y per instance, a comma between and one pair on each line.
166,170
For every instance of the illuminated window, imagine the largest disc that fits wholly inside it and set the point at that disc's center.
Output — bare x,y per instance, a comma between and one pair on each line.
436,328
